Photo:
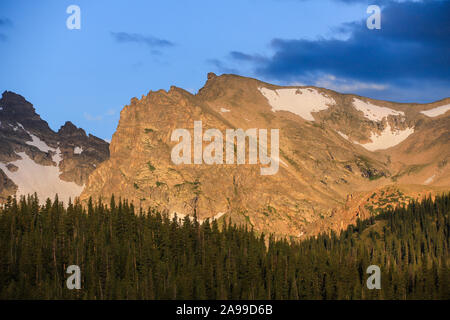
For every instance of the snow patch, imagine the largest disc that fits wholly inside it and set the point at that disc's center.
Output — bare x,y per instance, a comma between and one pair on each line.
78,150
44,180
387,139
38,143
217,216
302,102
373,112
41,145
57,157
343,135
224,110
436,111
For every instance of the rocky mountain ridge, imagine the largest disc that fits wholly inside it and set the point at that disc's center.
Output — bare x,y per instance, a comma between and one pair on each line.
34,158
332,145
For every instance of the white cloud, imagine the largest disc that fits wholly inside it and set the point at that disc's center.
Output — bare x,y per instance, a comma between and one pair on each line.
90,117
109,113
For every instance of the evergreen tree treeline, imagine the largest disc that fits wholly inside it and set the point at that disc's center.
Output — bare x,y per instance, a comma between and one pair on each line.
124,255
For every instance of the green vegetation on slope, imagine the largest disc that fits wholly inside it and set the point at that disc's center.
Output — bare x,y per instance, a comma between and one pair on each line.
123,255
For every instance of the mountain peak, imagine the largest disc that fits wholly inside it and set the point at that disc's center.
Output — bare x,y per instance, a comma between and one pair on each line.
34,158
16,105
69,129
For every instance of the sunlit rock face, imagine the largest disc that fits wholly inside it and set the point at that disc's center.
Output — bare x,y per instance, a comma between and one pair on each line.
334,149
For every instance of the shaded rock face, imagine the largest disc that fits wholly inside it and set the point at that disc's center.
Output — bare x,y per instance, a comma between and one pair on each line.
28,144
7,187
331,145
12,167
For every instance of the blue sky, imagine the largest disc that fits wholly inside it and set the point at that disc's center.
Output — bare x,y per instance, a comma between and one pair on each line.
126,48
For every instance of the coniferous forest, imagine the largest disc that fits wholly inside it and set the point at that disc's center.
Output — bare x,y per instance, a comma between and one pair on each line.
125,253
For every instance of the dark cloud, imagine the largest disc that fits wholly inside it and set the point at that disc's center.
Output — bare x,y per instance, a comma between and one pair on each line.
236,55
4,22
413,44
150,41
369,2
377,2
219,65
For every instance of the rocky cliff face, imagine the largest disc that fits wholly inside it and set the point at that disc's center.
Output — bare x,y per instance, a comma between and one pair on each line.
34,158
332,147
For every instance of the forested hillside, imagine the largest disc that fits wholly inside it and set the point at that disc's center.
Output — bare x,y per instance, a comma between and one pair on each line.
126,253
